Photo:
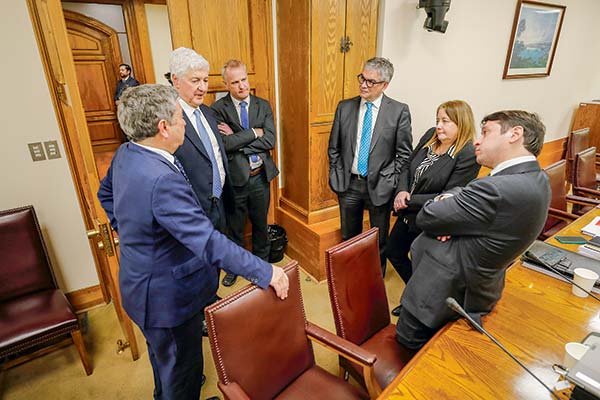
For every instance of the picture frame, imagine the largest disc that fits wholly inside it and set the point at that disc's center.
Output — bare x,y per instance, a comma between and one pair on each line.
534,38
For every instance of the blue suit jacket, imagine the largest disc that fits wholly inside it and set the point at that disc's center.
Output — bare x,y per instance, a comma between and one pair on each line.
170,251
196,161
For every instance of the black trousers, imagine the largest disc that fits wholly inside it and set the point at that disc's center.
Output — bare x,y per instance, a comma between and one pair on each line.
216,214
398,247
353,202
252,200
410,332
176,359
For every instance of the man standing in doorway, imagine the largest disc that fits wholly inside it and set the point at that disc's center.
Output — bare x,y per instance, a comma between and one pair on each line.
126,80
369,145
248,132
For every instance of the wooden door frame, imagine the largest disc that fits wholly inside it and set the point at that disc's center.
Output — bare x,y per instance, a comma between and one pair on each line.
50,30
136,25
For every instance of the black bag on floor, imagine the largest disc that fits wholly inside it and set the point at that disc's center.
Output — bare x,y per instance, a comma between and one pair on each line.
278,239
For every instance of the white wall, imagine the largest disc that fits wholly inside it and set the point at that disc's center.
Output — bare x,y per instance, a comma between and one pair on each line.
468,60
159,32
28,116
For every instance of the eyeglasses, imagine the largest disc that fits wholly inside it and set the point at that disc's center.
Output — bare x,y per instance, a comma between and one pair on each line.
370,82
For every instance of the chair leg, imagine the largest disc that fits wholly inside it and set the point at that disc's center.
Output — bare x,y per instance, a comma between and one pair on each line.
78,340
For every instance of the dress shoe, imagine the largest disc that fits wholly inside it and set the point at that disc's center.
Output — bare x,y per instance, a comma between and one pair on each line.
213,398
229,279
204,328
396,311
203,380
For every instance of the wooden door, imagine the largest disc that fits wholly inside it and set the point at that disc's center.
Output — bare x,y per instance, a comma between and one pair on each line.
96,53
220,30
51,34
361,29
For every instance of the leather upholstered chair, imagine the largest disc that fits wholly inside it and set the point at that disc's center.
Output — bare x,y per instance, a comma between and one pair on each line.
360,307
584,177
577,141
261,348
558,215
34,313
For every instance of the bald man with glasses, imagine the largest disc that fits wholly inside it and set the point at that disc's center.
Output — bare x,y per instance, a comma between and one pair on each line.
369,145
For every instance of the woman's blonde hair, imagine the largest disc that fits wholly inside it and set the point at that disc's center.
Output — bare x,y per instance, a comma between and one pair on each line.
461,114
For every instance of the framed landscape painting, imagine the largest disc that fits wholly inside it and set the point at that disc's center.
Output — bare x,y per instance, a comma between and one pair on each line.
533,41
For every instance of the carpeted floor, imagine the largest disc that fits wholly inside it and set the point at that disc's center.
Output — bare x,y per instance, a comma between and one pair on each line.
60,375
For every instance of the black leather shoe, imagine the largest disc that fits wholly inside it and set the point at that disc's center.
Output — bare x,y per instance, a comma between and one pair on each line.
229,279
203,380
213,398
204,328
396,311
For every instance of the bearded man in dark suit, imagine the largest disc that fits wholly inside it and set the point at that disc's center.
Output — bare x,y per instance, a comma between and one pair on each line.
472,234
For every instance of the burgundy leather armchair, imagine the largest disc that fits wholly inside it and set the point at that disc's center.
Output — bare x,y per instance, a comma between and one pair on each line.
261,347
584,179
577,141
558,215
360,308
33,311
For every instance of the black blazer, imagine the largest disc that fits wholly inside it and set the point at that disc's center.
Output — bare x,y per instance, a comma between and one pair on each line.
196,162
391,144
444,174
243,142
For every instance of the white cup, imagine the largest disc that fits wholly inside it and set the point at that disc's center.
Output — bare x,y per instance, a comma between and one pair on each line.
584,278
573,353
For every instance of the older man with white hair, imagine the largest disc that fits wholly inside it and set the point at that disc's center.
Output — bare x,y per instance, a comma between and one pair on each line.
202,153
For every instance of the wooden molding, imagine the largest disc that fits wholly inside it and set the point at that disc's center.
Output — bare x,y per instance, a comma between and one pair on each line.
86,298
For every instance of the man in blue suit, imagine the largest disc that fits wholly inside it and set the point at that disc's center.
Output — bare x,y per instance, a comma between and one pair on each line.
202,153
170,251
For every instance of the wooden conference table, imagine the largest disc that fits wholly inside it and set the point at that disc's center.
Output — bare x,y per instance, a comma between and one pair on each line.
534,319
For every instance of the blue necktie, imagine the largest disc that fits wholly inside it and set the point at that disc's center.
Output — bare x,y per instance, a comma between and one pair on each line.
246,124
244,114
216,187
180,168
365,141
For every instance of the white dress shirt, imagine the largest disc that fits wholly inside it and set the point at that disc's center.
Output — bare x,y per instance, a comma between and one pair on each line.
361,117
509,163
238,108
189,111
170,158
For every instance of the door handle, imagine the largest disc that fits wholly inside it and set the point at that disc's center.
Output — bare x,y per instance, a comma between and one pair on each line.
92,233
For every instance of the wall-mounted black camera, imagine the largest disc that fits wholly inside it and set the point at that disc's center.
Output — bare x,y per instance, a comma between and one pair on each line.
436,11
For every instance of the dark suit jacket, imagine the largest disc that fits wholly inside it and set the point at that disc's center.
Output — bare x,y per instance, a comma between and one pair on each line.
121,86
391,145
446,173
492,221
243,141
170,252
196,162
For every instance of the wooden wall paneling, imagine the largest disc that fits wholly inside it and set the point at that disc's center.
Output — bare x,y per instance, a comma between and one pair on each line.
180,24
136,25
361,28
588,116
294,61
321,195
327,61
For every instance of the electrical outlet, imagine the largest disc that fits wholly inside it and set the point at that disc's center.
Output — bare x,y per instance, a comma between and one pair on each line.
37,151
52,149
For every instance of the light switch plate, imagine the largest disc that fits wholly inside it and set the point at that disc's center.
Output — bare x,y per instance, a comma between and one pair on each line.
52,149
37,151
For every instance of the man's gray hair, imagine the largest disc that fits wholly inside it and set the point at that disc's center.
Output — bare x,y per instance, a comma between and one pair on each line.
381,65
183,60
142,107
